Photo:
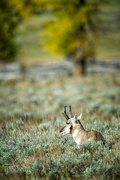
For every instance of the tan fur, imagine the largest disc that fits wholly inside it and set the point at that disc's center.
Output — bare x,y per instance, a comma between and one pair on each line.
80,134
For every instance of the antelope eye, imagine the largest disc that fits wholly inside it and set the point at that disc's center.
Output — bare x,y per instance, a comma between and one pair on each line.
67,123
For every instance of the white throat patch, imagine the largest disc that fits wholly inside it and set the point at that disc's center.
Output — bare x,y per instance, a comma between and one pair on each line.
78,141
75,133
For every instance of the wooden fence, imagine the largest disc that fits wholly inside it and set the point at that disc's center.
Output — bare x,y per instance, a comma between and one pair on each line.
15,70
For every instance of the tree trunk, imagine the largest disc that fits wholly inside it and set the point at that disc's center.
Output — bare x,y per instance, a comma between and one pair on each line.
80,67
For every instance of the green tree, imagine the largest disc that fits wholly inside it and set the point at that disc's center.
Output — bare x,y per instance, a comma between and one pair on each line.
7,26
71,30
12,12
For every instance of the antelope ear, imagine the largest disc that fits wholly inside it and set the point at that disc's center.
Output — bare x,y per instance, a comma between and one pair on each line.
79,117
74,119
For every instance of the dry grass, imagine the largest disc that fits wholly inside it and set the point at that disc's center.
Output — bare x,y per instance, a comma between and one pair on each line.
31,146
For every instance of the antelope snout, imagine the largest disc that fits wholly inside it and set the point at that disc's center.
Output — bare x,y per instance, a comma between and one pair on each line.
61,130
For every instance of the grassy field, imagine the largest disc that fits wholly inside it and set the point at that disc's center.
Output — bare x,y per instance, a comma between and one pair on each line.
31,146
29,37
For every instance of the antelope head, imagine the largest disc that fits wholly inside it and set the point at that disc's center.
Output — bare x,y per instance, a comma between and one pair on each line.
70,121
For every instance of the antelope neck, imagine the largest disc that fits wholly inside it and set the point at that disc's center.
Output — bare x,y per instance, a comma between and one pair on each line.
75,133
76,130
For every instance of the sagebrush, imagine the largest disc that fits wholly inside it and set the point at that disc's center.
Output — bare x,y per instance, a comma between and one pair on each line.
31,146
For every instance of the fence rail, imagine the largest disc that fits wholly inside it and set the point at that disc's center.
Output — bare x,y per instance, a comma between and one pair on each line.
15,70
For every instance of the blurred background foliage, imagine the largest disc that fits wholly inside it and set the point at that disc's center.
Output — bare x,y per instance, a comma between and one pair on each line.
79,29
70,30
12,13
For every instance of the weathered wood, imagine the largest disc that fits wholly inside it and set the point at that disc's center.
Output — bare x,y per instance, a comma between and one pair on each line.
15,70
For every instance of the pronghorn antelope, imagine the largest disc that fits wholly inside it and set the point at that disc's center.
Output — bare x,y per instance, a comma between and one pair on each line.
73,126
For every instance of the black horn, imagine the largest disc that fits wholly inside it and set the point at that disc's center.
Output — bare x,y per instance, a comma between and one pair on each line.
70,111
64,113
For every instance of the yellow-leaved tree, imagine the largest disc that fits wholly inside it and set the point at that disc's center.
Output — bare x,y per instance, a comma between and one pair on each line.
71,30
